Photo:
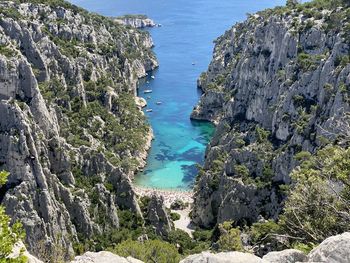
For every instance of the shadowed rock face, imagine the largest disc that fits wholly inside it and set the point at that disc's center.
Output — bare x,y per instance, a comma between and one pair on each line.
158,217
277,85
65,76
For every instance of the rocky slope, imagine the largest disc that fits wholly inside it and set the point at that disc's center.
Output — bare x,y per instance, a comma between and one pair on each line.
278,85
71,134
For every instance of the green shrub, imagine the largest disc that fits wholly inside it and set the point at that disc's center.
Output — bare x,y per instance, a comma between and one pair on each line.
262,134
230,239
262,231
202,235
305,62
175,216
241,170
9,235
7,51
149,251
178,205
315,209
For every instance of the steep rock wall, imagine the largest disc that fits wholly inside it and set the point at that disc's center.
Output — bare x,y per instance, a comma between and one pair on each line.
71,135
278,85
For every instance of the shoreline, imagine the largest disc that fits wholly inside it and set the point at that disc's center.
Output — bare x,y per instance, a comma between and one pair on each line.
169,195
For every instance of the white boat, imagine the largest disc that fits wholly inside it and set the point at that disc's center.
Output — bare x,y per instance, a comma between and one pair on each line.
149,110
158,102
152,77
147,82
148,97
147,91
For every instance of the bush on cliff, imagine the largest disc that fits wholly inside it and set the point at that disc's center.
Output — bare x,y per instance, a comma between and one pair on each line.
228,237
318,205
9,235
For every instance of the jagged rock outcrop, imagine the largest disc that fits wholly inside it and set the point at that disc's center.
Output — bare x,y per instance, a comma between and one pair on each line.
278,85
157,216
136,21
103,256
71,135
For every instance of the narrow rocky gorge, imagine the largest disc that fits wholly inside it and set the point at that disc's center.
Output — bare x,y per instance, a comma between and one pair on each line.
278,85
71,135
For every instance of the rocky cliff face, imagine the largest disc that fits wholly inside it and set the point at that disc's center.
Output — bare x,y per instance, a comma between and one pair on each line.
71,134
278,85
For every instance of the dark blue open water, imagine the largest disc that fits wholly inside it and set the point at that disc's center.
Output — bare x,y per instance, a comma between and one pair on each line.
186,36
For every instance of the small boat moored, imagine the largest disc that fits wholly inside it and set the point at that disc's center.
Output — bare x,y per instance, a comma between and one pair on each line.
147,91
149,110
152,77
159,102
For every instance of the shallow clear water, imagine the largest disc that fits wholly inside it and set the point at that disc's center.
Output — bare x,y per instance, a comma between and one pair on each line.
186,37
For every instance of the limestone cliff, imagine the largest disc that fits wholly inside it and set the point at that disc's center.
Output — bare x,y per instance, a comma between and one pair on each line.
278,85
71,134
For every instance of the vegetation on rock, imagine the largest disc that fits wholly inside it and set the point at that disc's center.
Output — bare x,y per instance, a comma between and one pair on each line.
318,203
274,167
9,234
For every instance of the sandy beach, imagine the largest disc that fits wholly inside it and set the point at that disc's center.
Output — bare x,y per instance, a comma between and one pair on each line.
168,195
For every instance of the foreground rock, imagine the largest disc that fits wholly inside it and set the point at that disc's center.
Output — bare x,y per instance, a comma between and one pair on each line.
103,257
224,257
136,21
286,256
335,249
20,249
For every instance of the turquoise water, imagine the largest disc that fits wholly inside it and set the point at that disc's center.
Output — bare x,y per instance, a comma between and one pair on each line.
185,38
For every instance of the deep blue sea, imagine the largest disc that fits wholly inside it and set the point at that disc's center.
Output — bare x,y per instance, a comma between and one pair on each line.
185,38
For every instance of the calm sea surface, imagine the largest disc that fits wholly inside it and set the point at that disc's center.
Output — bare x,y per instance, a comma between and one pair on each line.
185,38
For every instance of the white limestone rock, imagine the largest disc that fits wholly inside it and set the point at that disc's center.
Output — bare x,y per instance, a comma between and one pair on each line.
285,256
335,249
223,257
103,257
